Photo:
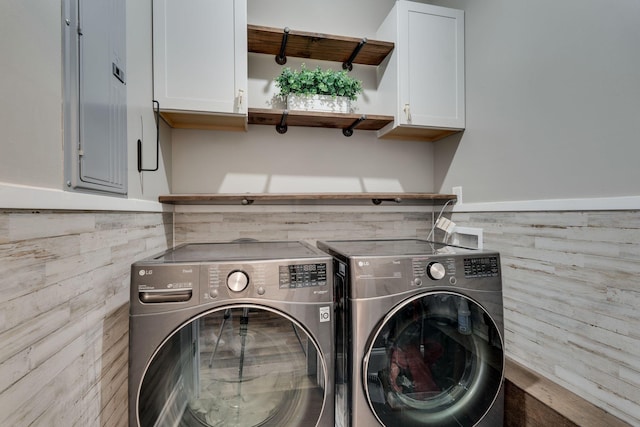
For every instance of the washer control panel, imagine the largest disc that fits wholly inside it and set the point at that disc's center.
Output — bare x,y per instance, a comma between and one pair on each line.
237,281
436,271
311,281
302,275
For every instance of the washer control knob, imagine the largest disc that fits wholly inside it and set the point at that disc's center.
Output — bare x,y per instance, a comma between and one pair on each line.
436,271
237,281
417,281
213,293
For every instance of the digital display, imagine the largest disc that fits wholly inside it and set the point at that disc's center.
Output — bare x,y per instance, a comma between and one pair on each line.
303,275
481,267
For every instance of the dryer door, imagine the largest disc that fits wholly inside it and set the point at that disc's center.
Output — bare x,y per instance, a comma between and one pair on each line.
436,359
238,365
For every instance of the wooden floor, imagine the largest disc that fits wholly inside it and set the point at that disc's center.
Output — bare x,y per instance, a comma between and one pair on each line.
533,401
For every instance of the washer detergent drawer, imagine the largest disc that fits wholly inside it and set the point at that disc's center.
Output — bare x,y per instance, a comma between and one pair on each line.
165,295
153,286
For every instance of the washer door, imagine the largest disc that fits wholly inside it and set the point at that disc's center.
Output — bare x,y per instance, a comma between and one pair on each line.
436,359
235,366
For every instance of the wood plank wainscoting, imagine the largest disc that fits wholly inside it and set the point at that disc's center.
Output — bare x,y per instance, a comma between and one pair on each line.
64,313
570,288
571,297
570,279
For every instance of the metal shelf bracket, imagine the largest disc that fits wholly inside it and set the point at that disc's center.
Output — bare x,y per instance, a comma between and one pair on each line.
348,65
282,126
281,58
379,201
349,131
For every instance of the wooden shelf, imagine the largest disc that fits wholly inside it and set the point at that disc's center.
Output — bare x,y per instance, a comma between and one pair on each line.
260,116
301,44
184,119
419,133
307,198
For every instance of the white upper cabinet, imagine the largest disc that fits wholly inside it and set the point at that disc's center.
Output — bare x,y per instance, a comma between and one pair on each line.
422,85
200,61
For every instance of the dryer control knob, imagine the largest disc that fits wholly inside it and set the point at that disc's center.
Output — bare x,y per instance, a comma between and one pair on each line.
237,281
436,271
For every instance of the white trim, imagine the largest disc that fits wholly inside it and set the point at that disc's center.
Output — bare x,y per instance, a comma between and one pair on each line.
591,204
14,196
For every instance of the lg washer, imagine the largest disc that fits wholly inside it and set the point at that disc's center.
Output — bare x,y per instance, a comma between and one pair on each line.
419,338
232,334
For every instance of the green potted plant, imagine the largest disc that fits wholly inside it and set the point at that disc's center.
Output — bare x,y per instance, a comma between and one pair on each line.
318,90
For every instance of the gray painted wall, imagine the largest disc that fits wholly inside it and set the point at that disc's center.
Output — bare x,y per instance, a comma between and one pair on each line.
552,108
553,101
303,159
31,146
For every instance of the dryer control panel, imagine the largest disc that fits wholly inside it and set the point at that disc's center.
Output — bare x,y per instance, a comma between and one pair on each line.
481,267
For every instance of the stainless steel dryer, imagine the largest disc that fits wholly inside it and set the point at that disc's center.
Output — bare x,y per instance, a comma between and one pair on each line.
232,334
419,334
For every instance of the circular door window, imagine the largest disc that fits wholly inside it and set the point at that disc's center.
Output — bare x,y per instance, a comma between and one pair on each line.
235,366
436,359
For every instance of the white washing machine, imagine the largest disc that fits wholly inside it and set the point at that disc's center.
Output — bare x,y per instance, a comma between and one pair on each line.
419,338
232,334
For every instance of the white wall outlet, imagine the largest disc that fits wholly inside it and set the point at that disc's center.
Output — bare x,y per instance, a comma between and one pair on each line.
458,192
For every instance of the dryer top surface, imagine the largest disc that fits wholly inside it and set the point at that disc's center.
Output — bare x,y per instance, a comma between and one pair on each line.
391,247
239,251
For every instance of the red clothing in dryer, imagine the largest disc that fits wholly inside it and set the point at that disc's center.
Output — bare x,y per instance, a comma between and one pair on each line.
409,360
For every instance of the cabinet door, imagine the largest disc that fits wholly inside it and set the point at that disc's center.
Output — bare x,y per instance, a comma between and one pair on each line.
431,66
199,55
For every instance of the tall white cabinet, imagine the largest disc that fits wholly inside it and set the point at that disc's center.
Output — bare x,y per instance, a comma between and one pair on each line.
200,62
422,85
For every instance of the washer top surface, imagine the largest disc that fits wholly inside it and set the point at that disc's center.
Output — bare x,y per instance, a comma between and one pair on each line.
239,251
390,247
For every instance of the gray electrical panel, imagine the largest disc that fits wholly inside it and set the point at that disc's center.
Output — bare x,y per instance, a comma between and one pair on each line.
95,95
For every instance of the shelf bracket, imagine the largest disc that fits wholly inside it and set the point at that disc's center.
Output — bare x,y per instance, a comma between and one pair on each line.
379,201
349,131
348,65
281,58
282,126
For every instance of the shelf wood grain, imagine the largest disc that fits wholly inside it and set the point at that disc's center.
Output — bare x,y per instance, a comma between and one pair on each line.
182,119
266,116
315,198
302,44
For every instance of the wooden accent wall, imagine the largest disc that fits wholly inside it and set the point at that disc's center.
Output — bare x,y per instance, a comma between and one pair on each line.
571,298
64,313
301,225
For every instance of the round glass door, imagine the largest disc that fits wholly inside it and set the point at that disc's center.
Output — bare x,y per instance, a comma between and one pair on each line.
437,359
235,366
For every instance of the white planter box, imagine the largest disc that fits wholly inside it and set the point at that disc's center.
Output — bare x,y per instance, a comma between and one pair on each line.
325,103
